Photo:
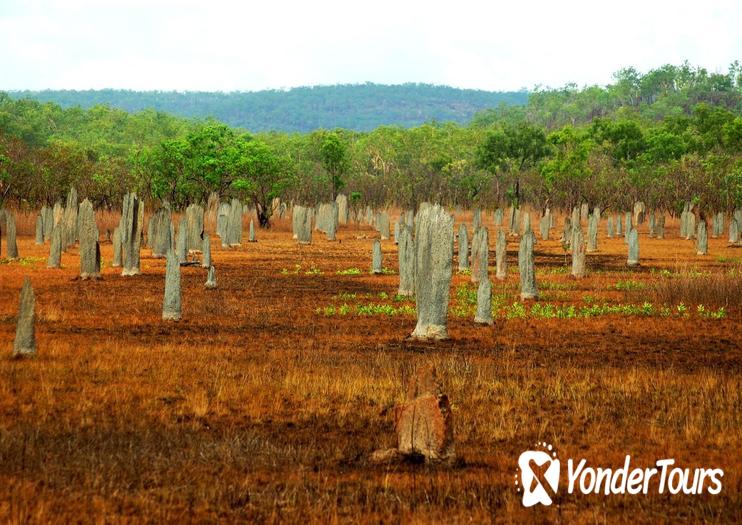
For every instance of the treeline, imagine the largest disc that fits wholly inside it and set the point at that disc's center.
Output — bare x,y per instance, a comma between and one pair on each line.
357,107
691,153
666,92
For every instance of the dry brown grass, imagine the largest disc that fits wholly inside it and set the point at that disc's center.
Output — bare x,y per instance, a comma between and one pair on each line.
256,409
715,290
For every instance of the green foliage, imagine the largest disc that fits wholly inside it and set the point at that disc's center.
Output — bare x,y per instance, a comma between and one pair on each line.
721,313
510,150
214,158
466,295
624,139
295,271
24,261
359,107
333,152
349,271
669,136
514,147
366,309
663,93
515,311
544,310
566,171
629,285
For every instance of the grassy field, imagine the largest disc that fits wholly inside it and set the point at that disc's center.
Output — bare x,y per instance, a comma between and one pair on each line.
264,403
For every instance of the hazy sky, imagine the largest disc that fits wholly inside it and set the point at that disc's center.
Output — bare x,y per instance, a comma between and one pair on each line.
246,45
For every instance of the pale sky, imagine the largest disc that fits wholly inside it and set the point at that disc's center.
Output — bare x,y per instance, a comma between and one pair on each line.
219,45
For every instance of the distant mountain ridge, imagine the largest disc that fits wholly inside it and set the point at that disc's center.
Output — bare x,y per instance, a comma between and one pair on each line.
360,107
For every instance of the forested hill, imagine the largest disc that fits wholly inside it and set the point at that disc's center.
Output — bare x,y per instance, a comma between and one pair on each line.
360,107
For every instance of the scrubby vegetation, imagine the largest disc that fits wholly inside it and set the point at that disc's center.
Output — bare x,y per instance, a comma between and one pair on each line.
669,136
360,107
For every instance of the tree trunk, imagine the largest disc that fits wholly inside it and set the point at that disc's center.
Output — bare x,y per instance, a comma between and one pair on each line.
264,219
264,214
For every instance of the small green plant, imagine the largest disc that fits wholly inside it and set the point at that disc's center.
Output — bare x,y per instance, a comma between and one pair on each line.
461,311
295,271
498,301
629,285
327,311
516,311
466,295
383,309
29,261
721,313
349,271
568,312
344,309
23,261
544,310
313,271
593,310
406,309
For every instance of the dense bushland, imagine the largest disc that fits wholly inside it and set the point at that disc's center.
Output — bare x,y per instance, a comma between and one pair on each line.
670,136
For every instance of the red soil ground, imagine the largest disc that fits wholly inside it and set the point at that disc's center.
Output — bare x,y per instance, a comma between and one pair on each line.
260,405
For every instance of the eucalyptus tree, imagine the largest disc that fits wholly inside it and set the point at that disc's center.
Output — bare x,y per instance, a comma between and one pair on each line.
565,173
509,150
334,154
262,175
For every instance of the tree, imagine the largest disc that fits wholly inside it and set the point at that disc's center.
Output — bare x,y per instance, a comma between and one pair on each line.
164,172
566,172
624,139
333,152
263,175
509,150
214,158
208,159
